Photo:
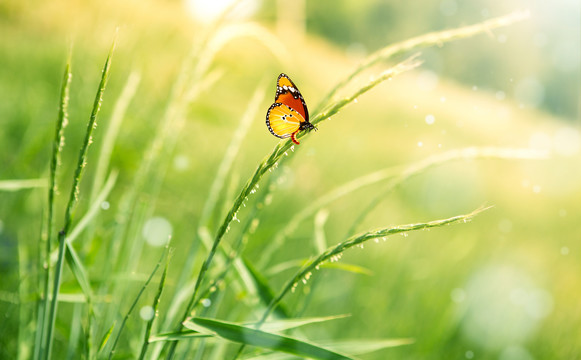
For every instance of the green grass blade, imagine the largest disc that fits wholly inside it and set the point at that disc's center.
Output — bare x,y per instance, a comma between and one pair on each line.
264,291
106,338
75,332
62,119
396,175
270,326
180,335
319,236
334,253
287,324
134,304
230,155
17,185
73,199
111,132
80,273
419,167
360,347
252,337
155,306
422,41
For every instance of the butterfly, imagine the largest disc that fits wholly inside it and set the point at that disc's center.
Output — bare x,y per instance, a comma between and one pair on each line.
288,115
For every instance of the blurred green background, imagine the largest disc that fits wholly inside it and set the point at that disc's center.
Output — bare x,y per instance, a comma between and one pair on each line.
505,286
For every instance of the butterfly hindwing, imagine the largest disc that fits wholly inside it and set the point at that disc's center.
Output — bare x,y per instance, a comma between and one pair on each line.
287,93
283,121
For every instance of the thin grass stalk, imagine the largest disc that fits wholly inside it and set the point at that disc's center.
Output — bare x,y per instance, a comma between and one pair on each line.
58,143
334,253
155,304
439,159
25,315
136,300
397,175
22,184
73,199
111,132
75,332
434,38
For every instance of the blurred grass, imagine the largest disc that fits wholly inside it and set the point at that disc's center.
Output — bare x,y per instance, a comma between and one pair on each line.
415,289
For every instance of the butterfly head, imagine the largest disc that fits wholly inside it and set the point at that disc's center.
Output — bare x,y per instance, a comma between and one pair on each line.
307,126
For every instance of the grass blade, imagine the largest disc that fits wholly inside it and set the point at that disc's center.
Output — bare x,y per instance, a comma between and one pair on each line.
17,185
426,40
112,130
265,292
155,306
62,119
106,338
396,175
134,304
253,337
334,253
360,347
73,199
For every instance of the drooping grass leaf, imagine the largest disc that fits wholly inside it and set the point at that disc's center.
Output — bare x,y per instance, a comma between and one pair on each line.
253,337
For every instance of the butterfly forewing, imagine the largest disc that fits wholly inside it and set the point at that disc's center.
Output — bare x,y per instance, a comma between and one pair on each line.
287,93
282,120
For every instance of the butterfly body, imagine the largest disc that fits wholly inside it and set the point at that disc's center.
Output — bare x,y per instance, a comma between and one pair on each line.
289,114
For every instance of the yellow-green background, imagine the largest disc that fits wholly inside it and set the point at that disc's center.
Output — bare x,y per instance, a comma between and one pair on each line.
505,286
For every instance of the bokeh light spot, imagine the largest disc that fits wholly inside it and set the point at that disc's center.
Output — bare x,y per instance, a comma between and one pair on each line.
157,231
146,313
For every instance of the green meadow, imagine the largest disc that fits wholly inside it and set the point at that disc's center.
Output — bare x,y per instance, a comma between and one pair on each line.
147,212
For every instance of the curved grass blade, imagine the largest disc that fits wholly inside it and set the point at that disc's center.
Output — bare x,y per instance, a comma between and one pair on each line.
270,326
360,347
266,340
422,41
396,175
334,253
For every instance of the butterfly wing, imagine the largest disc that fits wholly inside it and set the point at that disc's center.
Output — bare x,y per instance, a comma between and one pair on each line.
287,93
283,121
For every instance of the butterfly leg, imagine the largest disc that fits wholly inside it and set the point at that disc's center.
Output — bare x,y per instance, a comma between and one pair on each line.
293,137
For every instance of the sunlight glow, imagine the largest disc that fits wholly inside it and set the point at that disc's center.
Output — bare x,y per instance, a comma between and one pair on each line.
208,11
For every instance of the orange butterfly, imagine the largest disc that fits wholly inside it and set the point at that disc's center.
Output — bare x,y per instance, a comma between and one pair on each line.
288,115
